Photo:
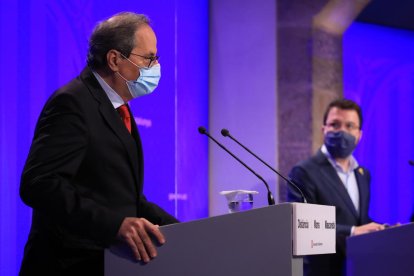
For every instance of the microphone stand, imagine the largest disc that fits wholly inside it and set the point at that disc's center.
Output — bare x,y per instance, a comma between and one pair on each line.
226,133
270,198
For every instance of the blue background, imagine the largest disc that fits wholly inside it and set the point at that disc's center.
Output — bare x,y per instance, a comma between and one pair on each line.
43,46
379,75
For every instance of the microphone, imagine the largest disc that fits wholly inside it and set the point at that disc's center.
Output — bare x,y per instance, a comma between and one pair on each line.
411,162
226,133
270,198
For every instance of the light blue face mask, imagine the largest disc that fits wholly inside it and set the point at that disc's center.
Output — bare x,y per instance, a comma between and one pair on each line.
146,82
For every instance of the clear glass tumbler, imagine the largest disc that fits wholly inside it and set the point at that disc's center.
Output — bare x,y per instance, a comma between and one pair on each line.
239,200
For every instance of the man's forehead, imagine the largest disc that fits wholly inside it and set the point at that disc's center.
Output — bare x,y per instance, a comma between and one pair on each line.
345,114
145,32
145,38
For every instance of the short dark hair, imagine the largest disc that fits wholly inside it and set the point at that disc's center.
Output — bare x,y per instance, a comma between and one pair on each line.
346,105
117,32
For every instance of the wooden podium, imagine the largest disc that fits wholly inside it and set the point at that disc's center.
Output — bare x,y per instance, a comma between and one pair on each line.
387,252
254,242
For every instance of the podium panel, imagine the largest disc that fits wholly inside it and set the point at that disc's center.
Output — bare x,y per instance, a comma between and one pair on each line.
254,242
387,252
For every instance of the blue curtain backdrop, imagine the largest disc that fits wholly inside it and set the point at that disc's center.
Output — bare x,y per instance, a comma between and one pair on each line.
379,74
43,45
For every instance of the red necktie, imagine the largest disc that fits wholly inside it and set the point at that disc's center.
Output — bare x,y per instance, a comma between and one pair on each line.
125,116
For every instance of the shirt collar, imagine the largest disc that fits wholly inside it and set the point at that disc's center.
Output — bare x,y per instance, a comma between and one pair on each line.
353,163
115,99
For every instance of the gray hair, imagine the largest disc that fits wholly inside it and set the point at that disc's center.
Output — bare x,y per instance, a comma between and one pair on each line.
117,32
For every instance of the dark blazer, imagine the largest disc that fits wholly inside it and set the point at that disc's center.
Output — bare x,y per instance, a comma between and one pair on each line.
320,184
83,176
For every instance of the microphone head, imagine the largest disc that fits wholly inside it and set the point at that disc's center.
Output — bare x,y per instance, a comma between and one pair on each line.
202,130
411,162
225,132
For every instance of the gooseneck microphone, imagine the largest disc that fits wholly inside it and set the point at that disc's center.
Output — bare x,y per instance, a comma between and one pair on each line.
270,198
226,133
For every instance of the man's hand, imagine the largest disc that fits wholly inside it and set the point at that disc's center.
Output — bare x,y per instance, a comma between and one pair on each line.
136,233
367,228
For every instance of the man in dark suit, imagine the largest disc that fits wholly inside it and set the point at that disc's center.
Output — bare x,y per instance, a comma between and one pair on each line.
334,177
84,173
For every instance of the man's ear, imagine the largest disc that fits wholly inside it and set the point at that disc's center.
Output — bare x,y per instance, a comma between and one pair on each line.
113,58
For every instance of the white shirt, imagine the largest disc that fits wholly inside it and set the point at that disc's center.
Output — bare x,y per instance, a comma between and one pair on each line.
348,178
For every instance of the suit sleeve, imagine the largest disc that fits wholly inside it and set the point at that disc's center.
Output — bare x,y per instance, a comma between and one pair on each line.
57,151
154,213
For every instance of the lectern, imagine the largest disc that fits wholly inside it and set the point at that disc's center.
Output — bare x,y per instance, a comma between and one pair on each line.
256,242
387,252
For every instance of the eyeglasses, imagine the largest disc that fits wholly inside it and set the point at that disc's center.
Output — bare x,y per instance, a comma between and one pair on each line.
338,125
152,59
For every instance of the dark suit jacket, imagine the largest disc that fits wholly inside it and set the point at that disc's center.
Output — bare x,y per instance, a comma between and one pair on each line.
83,175
321,185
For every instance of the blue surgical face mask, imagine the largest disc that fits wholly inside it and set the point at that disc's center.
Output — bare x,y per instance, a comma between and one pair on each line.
146,82
340,144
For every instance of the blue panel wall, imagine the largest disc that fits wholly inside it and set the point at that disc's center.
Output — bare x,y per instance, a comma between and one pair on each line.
379,74
242,97
43,46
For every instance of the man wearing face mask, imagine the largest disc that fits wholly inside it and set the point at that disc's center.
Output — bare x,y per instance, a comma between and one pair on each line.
334,177
84,173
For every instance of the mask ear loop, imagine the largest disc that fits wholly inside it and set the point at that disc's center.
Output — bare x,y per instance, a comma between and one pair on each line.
118,71
121,76
130,60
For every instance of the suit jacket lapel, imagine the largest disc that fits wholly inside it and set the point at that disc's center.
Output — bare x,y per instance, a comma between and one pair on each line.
363,189
135,135
113,119
336,183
